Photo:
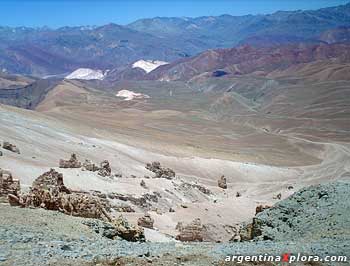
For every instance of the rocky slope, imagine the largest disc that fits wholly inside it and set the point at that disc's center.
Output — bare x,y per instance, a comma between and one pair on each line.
315,213
39,237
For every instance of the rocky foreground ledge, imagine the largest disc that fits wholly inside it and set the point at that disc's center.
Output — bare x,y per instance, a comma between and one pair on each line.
313,221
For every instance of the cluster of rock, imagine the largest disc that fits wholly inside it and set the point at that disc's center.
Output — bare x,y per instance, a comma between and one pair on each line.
145,201
103,170
192,232
222,182
49,192
8,185
10,147
161,172
204,190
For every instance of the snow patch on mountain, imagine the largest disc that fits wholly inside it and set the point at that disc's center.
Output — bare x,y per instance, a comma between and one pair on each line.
148,65
130,95
86,73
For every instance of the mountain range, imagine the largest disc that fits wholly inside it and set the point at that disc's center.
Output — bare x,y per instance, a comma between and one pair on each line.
44,51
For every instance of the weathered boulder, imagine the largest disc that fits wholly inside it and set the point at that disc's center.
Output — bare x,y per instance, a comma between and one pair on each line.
10,147
8,185
105,169
71,163
146,221
222,182
161,172
192,232
89,166
127,231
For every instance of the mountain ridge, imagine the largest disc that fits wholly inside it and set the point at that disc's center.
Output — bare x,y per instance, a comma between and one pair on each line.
44,51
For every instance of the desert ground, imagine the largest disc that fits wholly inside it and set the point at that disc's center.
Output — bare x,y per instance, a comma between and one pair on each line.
200,130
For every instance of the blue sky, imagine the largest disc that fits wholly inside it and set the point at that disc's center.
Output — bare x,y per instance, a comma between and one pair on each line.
54,13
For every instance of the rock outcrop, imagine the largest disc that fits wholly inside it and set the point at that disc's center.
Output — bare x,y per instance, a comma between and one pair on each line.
10,147
192,232
127,231
161,172
105,169
313,213
71,163
8,185
49,192
146,221
222,182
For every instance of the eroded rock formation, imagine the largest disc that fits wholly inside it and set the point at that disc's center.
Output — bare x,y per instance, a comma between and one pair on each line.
191,232
71,163
105,169
127,231
261,208
49,192
161,172
146,221
8,185
89,166
222,183
10,147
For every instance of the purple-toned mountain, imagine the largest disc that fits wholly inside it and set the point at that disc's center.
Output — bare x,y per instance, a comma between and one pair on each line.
44,51
338,35
249,60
